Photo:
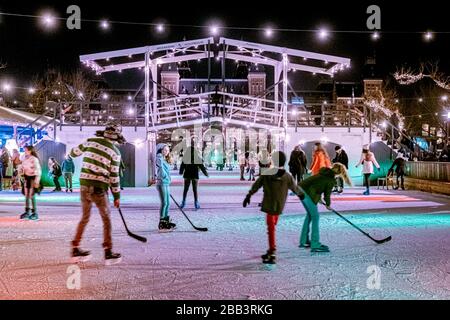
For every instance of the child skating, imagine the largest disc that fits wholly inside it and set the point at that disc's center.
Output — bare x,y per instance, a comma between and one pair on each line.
314,187
367,161
275,183
30,172
163,186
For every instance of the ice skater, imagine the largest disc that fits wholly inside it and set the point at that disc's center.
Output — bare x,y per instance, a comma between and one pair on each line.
340,157
191,164
275,183
320,159
367,161
68,169
399,165
163,162
30,172
99,172
314,187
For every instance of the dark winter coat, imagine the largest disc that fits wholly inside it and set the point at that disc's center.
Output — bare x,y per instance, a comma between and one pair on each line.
341,158
191,164
275,189
190,171
55,170
399,165
68,166
322,183
297,162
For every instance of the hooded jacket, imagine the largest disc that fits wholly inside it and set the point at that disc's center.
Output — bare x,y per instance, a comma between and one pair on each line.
275,189
68,166
323,182
368,161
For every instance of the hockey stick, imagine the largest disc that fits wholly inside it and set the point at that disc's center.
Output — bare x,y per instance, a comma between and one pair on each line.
135,236
182,211
362,231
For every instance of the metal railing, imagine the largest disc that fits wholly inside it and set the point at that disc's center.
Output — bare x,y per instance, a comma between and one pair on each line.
437,171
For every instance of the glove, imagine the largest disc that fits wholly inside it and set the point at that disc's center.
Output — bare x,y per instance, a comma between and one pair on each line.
246,201
301,196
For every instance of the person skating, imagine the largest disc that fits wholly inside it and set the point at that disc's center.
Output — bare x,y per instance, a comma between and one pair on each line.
399,165
340,157
320,159
252,163
30,172
99,172
314,187
298,164
275,183
189,168
367,160
68,169
243,163
163,186
54,170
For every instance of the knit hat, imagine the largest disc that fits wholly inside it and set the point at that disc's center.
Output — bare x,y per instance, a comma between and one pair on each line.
337,148
112,132
366,147
160,146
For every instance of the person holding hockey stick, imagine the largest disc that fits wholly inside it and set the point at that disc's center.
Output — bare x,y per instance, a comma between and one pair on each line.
163,162
99,172
314,187
399,165
275,183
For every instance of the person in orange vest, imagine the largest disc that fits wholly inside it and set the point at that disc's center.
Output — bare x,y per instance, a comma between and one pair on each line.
320,160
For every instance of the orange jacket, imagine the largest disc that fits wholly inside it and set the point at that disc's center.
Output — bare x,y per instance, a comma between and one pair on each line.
320,160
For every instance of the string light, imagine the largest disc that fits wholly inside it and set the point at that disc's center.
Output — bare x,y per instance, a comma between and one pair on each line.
268,32
428,36
323,34
104,24
375,36
160,28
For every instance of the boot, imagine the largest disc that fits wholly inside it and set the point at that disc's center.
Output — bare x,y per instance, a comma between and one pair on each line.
269,257
197,205
112,258
25,215
79,255
183,204
321,248
34,216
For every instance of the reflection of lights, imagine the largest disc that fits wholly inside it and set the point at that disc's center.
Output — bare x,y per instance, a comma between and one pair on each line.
302,142
324,140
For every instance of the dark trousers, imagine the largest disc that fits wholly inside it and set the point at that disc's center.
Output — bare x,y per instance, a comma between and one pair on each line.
187,184
298,177
56,182
340,182
367,180
401,177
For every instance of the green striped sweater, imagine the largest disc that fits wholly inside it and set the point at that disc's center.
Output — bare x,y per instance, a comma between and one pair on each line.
100,167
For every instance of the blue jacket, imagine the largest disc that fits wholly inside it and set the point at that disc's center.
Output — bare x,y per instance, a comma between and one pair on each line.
68,166
162,170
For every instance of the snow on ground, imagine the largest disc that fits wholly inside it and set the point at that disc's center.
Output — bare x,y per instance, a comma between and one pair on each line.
224,263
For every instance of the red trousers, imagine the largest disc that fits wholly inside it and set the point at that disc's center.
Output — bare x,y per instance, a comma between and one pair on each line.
271,223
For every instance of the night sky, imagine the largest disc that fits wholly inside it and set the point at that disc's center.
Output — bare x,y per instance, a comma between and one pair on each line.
28,49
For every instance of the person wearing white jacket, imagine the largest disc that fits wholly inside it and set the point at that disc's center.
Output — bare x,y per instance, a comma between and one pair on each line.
30,172
367,160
